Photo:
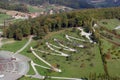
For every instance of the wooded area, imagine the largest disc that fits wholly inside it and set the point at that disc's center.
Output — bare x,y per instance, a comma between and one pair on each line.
42,25
16,7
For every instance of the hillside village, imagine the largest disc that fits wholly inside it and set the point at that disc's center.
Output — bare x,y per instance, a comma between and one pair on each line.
44,11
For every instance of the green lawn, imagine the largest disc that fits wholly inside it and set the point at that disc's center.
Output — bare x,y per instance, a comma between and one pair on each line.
34,9
113,63
3,17
13,47
110,23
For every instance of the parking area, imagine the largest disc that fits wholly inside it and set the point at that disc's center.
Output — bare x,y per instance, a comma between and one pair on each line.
12,68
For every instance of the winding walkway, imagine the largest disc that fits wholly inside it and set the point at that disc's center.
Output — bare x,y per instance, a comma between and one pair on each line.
55,69
71,37
37,75
20,50
2,43
87,35
65,47
63,54
47,52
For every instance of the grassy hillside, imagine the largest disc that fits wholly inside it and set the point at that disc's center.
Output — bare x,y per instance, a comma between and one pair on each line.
3,17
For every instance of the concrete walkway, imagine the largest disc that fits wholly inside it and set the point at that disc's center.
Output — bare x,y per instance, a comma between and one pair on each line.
48,52
65,47
20,50
87,35
63,54
55,69
71,37
37,75
65,78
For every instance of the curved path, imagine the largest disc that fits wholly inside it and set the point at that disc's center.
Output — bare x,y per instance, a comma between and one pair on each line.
65,47
87,35
20,50
63,54
69,38
55,69
47,52
37,75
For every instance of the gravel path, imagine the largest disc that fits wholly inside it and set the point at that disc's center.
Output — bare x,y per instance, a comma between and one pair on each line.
20,50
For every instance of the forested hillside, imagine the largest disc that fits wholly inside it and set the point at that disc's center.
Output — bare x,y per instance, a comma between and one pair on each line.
105,3
42,25
17,7
70,3
76,4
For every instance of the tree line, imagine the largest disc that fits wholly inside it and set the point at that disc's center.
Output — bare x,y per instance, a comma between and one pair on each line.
42,25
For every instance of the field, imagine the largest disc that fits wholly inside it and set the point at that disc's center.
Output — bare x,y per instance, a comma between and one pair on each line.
86,60
83,61
110,23
34,9
13,47
3,17
111,45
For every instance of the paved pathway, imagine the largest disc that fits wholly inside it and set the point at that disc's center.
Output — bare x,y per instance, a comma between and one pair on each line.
37,75
87,35
20,50
48,52
117,28
71,37
65,78
1,42
65,47
55,69
63,54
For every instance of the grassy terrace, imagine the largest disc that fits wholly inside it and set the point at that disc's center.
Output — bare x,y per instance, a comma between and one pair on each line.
110,23
34,9
84,61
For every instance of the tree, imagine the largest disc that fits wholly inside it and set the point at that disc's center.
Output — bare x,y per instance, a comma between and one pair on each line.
18,34
46,29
